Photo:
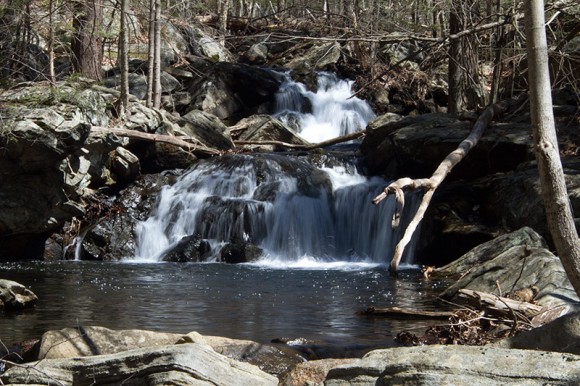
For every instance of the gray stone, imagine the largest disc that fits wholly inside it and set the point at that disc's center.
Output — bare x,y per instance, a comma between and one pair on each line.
207,128
514,266
257,54
125,165
185,364
457,365
561,335
312,372
14,296
317,58
266,128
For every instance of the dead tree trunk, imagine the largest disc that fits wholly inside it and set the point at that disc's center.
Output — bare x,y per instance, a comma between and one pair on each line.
429,185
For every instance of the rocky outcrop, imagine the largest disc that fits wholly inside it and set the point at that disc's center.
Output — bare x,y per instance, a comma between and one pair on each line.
95,340
457,365
14,296
415,145
265,128
561,335
235,91
185,364
514,262
311,372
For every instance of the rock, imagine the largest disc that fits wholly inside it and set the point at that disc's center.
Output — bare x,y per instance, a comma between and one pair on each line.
114,238
235,91
317,58
311,372
188,249
239,252
94,340
515,199
560,335
487,251
266,128
257,54
125,165
415,145
14,296
514,266
207,128
185,364
457,365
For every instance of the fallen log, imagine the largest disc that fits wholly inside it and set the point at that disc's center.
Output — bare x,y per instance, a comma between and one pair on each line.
329,142
405,313
429,185
194,146
498,305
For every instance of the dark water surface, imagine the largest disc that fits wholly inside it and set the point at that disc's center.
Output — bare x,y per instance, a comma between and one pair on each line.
246,302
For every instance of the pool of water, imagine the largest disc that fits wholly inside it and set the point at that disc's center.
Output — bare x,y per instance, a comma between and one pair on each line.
257,302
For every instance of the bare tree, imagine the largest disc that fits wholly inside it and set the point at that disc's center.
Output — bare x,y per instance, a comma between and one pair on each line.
153,97
556,200
123,60
86,44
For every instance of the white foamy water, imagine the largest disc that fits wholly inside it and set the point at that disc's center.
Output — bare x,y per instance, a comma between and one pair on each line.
327,113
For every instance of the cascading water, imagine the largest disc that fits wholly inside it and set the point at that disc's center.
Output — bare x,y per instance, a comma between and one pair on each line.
289,209
286,206
328,113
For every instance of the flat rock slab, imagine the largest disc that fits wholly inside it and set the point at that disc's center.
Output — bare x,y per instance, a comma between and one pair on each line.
458,365
186,364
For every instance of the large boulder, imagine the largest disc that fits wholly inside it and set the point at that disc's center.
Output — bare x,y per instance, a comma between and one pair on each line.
415,145
311,372
264,128
515,199
95,340
187,364
457,365
14,296
515,262
235,91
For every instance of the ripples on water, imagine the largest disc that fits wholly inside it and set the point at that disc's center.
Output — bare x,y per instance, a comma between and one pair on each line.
257,302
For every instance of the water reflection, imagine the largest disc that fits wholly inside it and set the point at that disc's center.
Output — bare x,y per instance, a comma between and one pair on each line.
245,302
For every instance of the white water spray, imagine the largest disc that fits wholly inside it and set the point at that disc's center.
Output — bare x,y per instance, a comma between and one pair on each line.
328,113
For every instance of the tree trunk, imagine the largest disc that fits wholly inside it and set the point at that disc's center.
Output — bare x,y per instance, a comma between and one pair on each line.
150,54
86,44
455,104
123,60
556,200
51,73
157,58
8,23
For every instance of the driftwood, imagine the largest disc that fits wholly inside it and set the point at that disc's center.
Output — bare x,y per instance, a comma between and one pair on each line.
406,313
194,146
310,146
429,185
499,306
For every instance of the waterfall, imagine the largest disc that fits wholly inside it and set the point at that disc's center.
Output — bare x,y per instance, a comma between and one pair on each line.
289,208
284,205
327,113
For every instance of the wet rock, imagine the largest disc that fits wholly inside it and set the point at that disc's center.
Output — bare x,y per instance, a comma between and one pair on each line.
239,252
188,249
125,165
186,364
207,128
457,365
513,263
14,296
113,237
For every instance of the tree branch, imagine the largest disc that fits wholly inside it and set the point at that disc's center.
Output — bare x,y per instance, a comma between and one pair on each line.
429,185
